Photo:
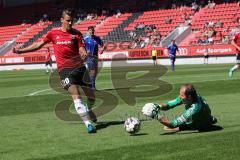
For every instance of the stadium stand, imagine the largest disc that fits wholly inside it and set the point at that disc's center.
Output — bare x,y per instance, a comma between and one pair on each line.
116,27
221,21
10,32
158,18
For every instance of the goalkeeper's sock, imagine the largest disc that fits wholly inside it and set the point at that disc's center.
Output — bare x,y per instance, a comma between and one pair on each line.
82,110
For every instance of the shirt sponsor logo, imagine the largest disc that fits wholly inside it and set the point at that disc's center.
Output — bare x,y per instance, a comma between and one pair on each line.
64,42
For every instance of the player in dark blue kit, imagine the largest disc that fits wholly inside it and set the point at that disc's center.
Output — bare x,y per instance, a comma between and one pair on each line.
91,44
172,49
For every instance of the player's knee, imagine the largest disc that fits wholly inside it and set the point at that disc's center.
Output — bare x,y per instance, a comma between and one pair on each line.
72,89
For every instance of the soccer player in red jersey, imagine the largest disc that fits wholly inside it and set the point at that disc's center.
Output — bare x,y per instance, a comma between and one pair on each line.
236,44
70,54
48,60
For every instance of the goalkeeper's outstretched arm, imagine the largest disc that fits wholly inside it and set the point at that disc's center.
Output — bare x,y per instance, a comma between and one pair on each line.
171,104
164,107
165,121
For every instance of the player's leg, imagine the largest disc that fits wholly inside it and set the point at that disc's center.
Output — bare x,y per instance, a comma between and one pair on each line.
86,85
153,61
50,64
91,69
81,109
172,63
69,81
46,65
90,103
95,72
233,69
92,76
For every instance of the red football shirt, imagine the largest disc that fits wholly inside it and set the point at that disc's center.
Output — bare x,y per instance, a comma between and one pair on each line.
66,47
237,38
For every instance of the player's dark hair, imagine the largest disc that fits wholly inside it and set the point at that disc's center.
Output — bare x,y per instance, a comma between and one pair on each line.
190,91
91,27
68,11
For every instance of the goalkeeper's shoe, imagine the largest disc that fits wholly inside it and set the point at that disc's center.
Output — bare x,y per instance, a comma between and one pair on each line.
213,120
91,129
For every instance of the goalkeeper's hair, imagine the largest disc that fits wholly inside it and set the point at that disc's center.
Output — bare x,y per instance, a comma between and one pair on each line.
68,11
190,91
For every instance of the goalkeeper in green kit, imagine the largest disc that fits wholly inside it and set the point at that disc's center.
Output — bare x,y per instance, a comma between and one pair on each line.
197,114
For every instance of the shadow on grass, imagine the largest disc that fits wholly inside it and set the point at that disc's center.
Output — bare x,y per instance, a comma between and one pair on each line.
138,134
210,129
102,125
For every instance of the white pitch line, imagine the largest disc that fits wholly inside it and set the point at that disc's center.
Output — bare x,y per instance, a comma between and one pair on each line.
226,79
34,93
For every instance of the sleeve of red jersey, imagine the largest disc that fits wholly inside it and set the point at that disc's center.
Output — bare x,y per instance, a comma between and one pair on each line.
48,37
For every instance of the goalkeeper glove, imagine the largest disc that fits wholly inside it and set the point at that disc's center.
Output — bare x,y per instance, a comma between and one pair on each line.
152,110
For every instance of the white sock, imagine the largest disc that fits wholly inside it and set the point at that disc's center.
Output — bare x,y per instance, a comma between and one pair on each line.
82,110
234,68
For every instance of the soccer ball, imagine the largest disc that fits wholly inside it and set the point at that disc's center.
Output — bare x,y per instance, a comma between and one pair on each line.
132,125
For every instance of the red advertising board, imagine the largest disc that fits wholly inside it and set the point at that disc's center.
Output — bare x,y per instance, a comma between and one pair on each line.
188,51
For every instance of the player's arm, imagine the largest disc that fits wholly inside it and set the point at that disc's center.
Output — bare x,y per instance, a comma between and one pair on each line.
184,118
81,45
103,47
33,47
177,50
167,125
235,45
102,50
171,104
83,52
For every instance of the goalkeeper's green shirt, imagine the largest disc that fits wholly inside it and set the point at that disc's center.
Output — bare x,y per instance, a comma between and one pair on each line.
197,114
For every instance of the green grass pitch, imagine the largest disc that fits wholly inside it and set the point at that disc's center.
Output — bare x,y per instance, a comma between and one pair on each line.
30,128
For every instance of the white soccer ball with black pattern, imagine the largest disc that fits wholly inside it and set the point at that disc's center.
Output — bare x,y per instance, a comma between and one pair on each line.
132,125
